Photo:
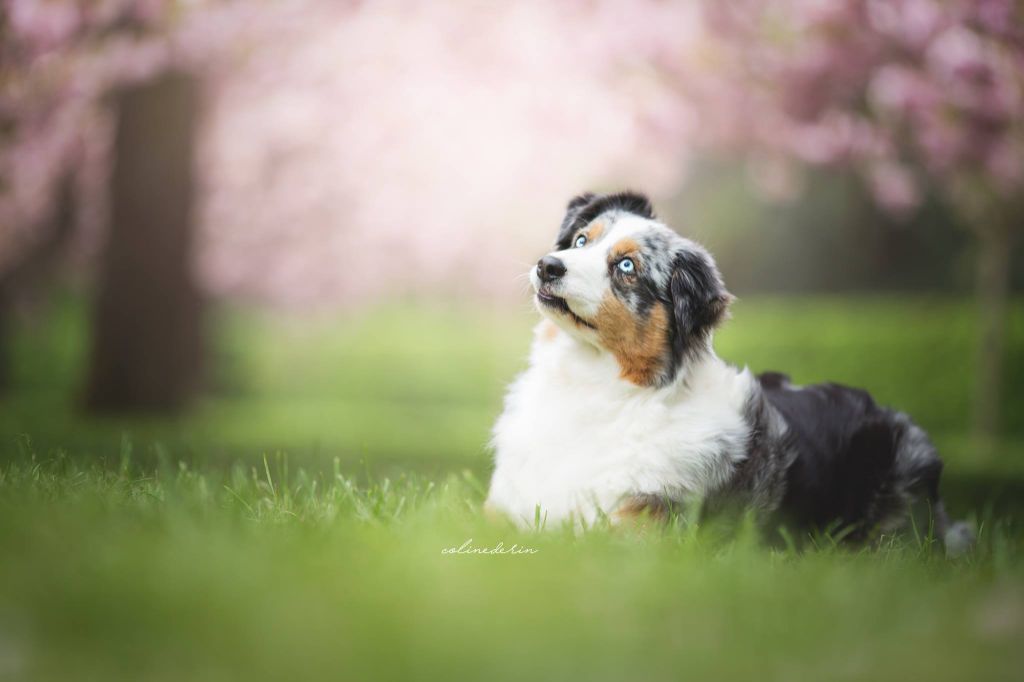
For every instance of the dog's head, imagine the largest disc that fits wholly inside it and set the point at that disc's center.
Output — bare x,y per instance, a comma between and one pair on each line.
627,284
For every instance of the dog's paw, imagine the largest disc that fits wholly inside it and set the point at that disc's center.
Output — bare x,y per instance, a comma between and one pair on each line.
959,539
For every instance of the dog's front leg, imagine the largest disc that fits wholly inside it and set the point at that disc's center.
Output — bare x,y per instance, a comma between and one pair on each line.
641,509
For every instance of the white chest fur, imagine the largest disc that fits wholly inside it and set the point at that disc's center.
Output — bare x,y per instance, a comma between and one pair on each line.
575,440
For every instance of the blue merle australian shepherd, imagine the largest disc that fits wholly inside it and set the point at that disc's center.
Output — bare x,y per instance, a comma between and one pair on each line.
625,409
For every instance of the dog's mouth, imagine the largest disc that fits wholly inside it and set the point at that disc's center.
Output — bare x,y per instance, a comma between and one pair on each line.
558,303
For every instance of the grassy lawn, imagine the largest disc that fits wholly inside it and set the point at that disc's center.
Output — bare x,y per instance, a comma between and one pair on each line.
293,525
177,574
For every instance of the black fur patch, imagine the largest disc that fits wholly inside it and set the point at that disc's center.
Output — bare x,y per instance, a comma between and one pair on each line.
847,471
584,208
698,302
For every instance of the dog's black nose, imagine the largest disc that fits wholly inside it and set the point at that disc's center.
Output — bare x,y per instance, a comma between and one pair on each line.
550,268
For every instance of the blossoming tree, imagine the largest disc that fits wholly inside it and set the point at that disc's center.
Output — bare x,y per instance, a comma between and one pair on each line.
345,151
92,119
406,134
917,96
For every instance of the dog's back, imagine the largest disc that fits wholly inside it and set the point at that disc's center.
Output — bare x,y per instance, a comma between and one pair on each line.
857,465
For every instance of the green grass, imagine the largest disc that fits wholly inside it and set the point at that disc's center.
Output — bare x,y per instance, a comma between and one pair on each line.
292,526
419,386
258,572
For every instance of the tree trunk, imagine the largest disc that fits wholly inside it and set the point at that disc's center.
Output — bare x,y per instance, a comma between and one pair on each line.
147,335
993,298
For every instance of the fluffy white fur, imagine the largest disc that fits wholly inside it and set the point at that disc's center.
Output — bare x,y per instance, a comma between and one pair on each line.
575,440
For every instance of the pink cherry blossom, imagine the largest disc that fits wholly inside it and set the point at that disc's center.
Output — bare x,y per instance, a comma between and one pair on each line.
353,150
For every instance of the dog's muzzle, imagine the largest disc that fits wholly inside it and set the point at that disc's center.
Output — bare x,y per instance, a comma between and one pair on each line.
550,268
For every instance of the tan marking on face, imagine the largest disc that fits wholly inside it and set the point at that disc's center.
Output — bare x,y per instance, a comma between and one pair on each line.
592,233
639,345
548,330
623,247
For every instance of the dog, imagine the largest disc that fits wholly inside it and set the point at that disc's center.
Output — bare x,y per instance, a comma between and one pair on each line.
625,410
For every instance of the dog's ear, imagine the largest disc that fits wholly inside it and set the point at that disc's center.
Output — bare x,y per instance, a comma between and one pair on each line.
572,211
699,302
580,200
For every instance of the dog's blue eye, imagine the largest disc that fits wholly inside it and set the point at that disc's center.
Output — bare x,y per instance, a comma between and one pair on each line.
581,241
627,266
